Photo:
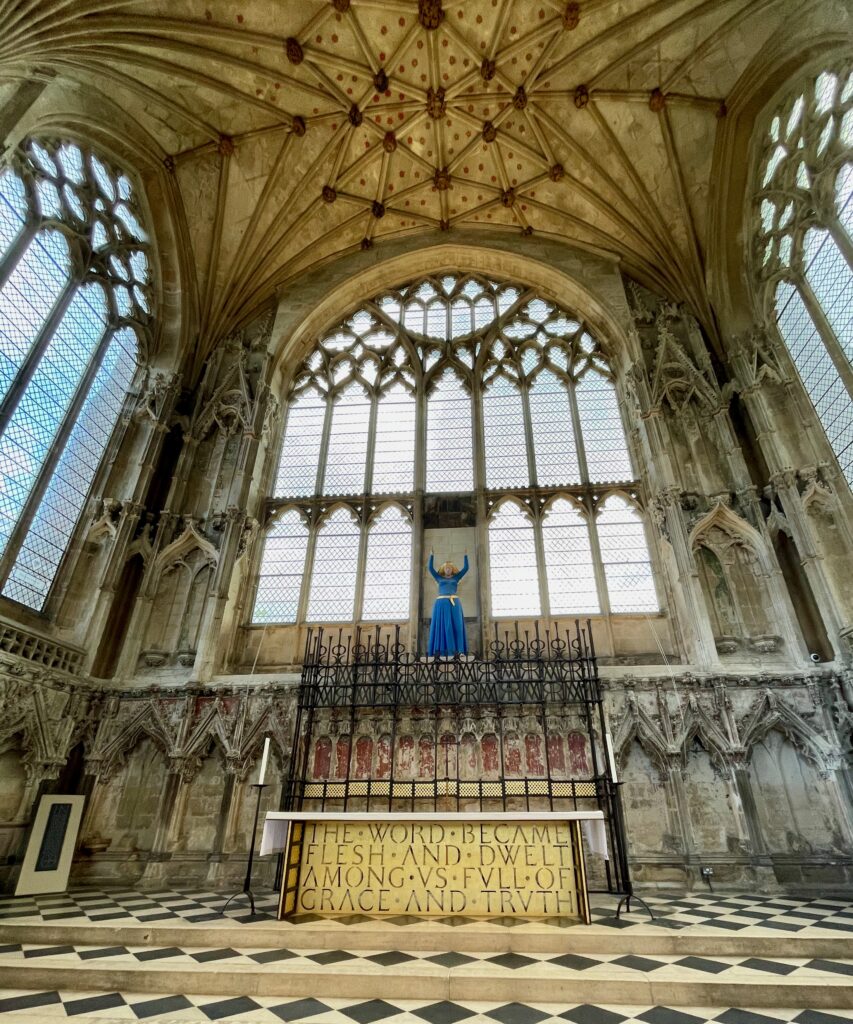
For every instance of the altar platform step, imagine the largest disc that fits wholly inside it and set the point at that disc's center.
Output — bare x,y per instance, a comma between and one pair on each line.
568,978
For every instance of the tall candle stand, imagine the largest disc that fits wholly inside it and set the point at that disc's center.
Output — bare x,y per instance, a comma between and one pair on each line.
247,881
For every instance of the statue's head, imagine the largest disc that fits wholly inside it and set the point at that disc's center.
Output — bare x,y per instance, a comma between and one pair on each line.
448,569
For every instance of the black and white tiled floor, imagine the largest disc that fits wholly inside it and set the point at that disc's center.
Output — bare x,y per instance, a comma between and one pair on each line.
721,912
116,1006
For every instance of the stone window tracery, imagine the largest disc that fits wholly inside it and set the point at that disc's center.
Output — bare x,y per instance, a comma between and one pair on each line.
454,385
75,307
803,244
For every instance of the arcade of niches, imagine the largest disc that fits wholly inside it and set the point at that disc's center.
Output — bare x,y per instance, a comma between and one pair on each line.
383,279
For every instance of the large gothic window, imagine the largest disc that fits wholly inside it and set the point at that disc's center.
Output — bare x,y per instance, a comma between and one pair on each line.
804,244
74,302
452,387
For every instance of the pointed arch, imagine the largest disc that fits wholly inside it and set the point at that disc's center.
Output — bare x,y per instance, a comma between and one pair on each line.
513,565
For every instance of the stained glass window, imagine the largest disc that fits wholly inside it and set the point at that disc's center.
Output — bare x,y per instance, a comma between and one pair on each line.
389,402
68,346
512,562
333,577
802,243
388,566
280,581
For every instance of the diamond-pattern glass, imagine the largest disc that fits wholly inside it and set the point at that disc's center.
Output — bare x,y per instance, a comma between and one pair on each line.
388,566
394,448
625,554
569,565
831,280
513,566
26,299
553,433
62,502
34,424
449,454
504,435
818,373
607,459
300,452
347,450
333,578
282,569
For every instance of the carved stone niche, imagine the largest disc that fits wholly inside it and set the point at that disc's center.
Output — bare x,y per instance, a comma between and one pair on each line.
767,644
727,644
154,658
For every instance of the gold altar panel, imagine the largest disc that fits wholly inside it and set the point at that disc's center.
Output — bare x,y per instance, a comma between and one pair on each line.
475,869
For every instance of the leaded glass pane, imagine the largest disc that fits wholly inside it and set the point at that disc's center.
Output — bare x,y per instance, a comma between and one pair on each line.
449,455
282,570
33,426
394,450
62,503
553,432
27,297
607,459
387,569
504,435
831,280
512,563
333,575
300,452
347,450
625,554
569,567
818,373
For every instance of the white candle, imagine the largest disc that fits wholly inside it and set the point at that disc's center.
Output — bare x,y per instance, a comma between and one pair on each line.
611,759
264,757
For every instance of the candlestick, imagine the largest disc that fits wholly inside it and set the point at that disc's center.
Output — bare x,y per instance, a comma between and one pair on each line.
264,761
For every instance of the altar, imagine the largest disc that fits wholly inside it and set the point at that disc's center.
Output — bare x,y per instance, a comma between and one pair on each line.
434,864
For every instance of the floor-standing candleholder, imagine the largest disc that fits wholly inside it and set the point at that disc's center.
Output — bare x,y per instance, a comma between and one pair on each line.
247,881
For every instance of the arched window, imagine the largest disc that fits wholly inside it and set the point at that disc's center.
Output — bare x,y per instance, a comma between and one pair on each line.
627,569
803,244
75,298
390,402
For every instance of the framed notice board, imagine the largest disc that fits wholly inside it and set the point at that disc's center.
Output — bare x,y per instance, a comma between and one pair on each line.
47,862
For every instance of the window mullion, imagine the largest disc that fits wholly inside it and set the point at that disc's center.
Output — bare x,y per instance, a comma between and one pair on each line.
839,236
836,352
539,544
46,472
33,357
580,447
324,444
532,476
358,596
13,254
597,560
308,574
370,455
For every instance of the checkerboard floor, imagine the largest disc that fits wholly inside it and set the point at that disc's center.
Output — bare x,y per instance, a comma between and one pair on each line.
699,910
118,1006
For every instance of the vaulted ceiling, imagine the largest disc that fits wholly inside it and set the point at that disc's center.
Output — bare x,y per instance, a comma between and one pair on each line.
298,129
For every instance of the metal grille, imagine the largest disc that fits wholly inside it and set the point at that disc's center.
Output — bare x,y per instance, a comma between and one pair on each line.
606,450
388,567
512,563
394,449
333,579
282,569
625,555
553,432
569,568
347,450
300,453
449,454
60,507
504,435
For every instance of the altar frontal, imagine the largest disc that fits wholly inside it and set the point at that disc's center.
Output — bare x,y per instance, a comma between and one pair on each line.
436,868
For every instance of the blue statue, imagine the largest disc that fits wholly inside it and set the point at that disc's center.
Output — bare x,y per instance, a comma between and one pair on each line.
447,629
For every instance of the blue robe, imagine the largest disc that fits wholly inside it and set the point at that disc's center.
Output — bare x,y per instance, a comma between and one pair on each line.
447,629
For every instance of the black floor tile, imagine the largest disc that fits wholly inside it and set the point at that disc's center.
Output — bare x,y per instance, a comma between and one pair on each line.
12,947
91,1004
159,1006
734,1016
159,954
516,1013
269,956
298,1009
450,959
207,956
767,966
229,1007
511,960
373,1009
28,1001
638,963
96,954
700,963
443,1013
831,966
391,958
593,1015
818,1017
48,951
574,962
331,956
666,1015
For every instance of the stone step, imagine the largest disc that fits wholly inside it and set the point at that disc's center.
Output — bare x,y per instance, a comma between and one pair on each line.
401,974
482,937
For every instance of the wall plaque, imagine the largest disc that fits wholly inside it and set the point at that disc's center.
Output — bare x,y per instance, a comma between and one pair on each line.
50,848
473,869
53,837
